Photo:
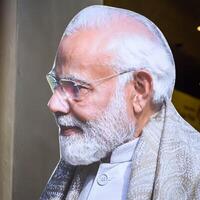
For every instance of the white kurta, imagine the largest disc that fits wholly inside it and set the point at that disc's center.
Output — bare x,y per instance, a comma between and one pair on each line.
111,180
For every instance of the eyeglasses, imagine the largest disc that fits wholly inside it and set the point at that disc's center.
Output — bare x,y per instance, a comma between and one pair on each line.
76,89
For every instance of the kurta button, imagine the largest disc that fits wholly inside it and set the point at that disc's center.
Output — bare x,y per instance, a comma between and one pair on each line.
102,179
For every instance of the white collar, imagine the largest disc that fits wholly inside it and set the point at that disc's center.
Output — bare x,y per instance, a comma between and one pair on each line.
124,152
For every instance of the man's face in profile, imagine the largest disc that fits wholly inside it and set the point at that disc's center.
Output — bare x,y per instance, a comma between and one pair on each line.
90,127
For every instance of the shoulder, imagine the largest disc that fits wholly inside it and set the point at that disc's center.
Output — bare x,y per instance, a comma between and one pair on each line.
183,137
181,129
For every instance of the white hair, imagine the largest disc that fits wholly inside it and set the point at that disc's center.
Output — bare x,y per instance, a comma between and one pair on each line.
132,51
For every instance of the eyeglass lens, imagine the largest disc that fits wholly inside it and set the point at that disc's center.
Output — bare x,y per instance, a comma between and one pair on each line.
67,86
70,88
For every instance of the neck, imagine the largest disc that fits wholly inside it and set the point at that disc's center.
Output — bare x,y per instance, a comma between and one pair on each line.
144,117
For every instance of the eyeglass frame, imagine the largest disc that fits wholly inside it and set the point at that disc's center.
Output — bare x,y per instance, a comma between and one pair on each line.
79,83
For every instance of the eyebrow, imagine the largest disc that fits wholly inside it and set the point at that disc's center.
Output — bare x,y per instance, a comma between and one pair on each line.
75,78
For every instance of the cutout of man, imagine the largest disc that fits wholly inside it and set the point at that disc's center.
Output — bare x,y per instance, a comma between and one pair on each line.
120,136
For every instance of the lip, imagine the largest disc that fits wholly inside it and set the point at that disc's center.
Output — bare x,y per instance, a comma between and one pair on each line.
70,130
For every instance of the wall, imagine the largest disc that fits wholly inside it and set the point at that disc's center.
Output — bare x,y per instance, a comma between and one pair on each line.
7,95
28,140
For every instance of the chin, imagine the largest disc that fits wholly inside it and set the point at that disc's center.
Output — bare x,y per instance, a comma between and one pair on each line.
81,159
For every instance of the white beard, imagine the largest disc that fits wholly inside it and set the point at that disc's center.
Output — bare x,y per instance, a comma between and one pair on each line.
100,137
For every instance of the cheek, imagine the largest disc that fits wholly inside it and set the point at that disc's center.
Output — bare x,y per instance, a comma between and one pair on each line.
129,111
94,105
129,106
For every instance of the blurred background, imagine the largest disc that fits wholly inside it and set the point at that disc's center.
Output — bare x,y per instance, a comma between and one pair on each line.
29,35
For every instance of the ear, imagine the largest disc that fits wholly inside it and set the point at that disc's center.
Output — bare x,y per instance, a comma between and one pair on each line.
142,84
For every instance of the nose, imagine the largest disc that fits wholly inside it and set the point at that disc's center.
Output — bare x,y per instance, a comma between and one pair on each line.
58,104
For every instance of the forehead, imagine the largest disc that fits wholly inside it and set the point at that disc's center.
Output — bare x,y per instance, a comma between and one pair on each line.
83,51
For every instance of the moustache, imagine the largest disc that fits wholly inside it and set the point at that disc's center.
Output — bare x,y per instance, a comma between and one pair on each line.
70,121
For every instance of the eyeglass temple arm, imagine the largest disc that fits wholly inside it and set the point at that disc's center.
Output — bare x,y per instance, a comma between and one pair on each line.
111,76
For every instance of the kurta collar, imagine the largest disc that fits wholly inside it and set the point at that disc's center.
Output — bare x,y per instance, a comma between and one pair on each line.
124,152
